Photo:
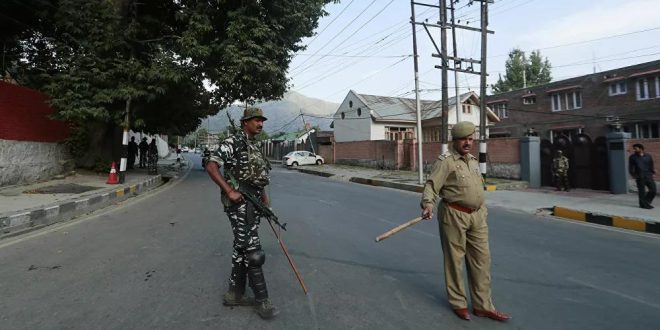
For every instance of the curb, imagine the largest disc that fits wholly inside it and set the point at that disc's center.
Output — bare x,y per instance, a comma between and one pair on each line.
607,220
33,219
388,184
313,172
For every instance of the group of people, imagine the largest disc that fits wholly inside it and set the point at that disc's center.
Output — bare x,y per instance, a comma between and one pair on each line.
455,187
148,154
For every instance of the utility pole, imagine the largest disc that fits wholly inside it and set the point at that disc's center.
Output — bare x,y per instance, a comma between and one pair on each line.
482,95
308,132
420,158
457,63
124,141
445,91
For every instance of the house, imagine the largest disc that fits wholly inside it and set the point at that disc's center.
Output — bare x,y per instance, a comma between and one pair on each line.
590,106
575,115
362,117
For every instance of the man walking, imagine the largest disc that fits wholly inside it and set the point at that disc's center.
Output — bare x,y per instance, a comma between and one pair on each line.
640,166
144,149
245,171
463,228
560,171
132,152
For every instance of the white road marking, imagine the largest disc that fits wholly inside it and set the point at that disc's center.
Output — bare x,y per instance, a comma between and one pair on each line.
613,292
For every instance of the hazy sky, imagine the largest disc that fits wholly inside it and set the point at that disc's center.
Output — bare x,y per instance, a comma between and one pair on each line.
366,45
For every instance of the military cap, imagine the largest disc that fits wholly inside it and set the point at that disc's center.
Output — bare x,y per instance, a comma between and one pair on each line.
462,129
253,112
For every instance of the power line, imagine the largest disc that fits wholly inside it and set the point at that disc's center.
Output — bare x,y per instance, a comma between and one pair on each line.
352,34
333,20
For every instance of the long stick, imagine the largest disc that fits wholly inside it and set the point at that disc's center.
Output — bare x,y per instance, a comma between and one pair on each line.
288,257
398,229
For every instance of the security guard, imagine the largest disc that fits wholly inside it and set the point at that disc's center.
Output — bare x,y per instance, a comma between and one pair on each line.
560,171
463,228
245,169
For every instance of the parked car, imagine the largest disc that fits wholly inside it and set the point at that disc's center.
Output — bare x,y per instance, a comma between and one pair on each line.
198,150
185,149
295,158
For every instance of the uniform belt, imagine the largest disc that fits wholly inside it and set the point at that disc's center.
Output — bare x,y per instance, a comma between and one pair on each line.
461,208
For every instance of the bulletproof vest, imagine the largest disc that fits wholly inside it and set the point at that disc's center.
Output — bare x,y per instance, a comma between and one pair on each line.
251,167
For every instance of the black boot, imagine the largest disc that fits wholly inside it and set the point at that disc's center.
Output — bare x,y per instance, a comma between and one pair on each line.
235,296
264,308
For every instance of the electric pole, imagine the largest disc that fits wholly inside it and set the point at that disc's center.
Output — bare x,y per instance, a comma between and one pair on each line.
482,95
309,136
420,158
457,63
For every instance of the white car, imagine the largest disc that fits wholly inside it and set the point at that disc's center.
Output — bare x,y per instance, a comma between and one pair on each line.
295,158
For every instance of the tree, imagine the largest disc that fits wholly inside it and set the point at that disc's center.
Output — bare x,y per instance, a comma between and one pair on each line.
99,60
536,71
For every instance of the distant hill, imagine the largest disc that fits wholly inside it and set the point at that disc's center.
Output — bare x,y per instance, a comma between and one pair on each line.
281,114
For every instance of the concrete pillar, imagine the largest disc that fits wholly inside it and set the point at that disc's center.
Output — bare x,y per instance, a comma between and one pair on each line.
618,162
530,160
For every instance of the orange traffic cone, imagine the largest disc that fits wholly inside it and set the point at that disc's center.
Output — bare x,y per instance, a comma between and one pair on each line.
113,178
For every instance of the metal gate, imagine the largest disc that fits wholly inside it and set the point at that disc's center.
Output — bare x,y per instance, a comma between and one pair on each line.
588,161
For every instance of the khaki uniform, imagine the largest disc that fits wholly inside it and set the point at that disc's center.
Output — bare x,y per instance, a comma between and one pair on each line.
463,227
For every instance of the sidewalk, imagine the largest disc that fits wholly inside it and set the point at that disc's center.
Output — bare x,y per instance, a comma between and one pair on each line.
597,207
25,208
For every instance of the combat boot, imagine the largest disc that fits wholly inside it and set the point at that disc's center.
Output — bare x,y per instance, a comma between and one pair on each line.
264,307
266,310
235,296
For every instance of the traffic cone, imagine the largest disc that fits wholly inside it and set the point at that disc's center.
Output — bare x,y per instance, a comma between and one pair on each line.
112,177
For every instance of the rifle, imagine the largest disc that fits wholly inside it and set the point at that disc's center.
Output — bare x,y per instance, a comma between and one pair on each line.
261,208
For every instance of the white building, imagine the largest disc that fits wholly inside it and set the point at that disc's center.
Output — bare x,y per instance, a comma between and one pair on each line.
363,117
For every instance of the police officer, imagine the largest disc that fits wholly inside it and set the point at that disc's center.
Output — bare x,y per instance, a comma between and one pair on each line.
560,171
144,148
132,152
245,169
462,215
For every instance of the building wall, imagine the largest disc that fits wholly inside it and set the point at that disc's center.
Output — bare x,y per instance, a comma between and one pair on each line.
597,104
29,140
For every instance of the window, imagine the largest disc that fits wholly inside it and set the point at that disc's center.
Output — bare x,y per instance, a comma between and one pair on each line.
467,108
431,134
501,110
657,87
398,133
343,115
618,88
359,111
642,89
350,104
566,100
647,130
529,100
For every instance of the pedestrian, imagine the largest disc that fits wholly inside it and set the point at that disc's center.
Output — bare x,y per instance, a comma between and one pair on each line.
640,166
560,166
152,156
144,149
245,169
132,152
462,216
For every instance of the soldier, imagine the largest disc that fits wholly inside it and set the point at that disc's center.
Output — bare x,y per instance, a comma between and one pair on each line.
132,152
463,228
560,171
245,169
640,166
144,148
152,157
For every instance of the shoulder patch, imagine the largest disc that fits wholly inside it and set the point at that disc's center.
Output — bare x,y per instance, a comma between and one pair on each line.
444,156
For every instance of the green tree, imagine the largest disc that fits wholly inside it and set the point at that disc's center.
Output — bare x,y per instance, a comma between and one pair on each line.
521,71
98,60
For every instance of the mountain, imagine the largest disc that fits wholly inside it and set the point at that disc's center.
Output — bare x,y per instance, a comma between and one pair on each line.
283,115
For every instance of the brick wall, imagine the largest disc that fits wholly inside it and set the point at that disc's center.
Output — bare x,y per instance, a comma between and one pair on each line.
326,151
25,115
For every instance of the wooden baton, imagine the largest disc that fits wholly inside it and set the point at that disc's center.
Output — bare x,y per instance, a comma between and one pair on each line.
398,229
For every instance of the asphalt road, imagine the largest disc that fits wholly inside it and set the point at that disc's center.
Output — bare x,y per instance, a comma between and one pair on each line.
160,261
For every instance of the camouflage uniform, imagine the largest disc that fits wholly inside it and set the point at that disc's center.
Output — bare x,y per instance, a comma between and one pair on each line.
560,170
247,170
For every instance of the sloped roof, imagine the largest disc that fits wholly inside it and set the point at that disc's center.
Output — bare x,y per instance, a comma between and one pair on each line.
385,108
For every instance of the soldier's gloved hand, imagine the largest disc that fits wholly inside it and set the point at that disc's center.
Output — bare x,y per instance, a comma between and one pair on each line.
427,213
235,196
